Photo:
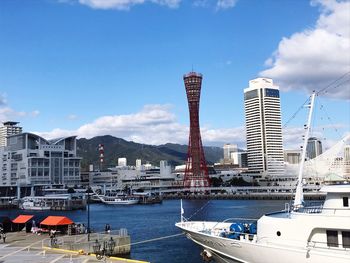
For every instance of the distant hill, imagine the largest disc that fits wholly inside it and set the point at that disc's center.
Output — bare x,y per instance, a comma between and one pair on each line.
116,148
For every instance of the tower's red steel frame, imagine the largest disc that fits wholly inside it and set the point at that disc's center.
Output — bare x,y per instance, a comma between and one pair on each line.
196,172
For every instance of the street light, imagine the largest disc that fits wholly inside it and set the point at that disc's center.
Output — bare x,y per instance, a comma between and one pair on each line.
107,249
88,211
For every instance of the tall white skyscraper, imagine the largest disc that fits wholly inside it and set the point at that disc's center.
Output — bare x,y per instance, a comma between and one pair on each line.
8,128
263,127
228,149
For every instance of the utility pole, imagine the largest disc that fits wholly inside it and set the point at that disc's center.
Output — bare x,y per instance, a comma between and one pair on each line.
88,212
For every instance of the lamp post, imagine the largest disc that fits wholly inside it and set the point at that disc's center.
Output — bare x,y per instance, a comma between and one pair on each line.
107,249
88,213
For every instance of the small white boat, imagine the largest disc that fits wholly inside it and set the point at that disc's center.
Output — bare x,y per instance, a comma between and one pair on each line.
118,200
303,234
34,205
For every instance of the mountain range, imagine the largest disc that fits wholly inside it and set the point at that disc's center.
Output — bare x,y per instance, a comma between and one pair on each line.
115,148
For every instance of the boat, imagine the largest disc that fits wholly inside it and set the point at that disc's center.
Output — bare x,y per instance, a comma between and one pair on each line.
299,233
118,200
33,204
149,198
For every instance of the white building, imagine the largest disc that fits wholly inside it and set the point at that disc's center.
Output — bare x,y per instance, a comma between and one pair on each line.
263,127
228,149
29,159
164,168
239,158
292,156
122,161
9,128
347,153
138,164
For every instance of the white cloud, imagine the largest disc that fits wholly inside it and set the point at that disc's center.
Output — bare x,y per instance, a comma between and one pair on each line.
221,136
311,59
218,4
72,117
201,3
154,124
126,4
225,4
7,113
293,136
3,100
35,113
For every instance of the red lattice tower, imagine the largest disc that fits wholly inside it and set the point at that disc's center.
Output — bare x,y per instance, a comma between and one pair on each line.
196,173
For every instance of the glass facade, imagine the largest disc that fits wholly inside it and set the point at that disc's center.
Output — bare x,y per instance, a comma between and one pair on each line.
274,93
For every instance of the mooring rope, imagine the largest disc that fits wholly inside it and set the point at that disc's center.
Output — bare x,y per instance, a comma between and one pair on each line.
200,209
151,240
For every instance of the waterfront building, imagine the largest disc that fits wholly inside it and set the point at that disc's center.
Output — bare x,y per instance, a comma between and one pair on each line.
263,127
9,128
149,177
164,168
239,158
29,160
138,164
122,161
314,148
292,156
347,153
228,150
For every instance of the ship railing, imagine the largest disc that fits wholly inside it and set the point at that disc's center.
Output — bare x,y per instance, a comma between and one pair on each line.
237,219
320,209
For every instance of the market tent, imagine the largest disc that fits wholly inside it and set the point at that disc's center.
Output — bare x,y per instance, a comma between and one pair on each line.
22,219
56,221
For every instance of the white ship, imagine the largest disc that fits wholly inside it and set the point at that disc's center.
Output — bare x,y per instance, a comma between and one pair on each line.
316,234
118,200
34,205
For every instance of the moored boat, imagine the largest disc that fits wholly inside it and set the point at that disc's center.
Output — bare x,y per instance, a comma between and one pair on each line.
299,233
33,204
118,200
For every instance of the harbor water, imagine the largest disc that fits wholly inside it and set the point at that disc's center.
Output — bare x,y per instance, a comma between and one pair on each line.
146,222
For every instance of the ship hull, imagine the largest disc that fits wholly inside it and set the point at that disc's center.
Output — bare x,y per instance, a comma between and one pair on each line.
231,250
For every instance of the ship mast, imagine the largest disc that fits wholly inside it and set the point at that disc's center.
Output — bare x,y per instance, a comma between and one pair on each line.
299,196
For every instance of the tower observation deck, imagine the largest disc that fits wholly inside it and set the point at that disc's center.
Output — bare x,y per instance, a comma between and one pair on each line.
196,172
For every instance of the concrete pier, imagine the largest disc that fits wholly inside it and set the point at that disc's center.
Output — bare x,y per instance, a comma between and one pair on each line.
32,248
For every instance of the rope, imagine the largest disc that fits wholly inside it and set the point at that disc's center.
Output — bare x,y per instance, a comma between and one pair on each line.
320,92
200,209
324,90
330,121
151,240
296,113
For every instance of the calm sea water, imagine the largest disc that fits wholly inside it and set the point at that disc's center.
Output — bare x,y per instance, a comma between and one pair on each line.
152,221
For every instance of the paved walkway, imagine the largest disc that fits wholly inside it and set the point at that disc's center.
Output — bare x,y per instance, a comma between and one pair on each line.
22,247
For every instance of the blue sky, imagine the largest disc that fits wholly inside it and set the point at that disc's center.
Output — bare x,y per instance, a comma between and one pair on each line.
95,67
